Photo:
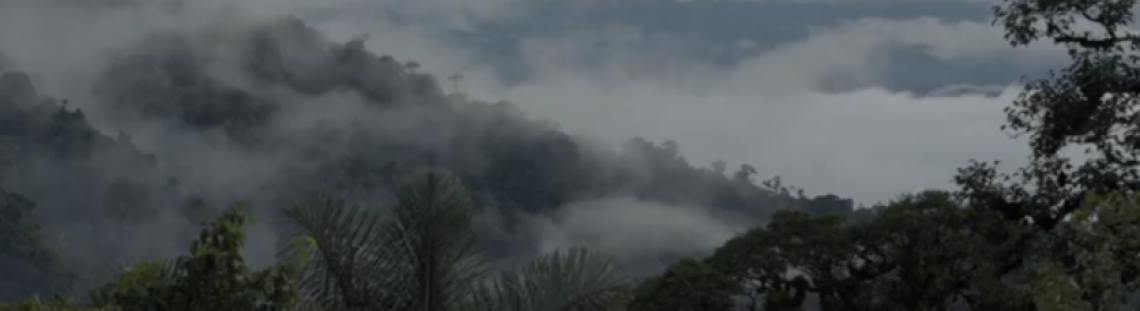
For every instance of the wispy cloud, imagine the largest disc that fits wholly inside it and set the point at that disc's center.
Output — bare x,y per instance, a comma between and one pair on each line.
813,109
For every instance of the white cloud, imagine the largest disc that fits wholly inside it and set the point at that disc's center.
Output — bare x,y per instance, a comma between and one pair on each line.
772,111
857,51
634,231
870,144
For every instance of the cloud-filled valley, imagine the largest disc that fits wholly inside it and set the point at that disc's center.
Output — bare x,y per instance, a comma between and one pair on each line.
862,99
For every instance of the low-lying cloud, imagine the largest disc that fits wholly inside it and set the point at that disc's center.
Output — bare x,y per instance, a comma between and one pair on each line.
637,232
813,111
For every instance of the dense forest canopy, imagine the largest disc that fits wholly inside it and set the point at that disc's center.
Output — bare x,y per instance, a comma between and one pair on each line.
377,190
295,114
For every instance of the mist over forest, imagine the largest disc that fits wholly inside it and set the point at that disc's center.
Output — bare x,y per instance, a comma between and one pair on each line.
545,155
195,111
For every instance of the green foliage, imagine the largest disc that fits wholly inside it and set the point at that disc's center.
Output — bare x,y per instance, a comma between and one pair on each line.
575,279
920,252
686,285
1059,234
818,247
1069,223
927,238
53,304
24,247
420,255
1094,264
1089,105
212,277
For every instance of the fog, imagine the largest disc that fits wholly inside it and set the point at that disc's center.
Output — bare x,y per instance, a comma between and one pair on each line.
824,110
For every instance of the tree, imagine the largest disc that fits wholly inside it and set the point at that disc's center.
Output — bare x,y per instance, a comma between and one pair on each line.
796,255
924,251
420,255
1088,105
34,264
687,285
213,277
1100,244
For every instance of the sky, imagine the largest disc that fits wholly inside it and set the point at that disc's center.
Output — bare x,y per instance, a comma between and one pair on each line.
866,99
862,98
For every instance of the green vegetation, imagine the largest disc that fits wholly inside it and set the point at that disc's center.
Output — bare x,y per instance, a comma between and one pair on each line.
1058,234
345,257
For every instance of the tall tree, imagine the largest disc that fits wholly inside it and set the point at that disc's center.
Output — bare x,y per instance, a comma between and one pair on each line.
1089,105
420,255
687,285
214,276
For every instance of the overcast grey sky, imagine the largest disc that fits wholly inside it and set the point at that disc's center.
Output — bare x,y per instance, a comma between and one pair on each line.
858,97
863,98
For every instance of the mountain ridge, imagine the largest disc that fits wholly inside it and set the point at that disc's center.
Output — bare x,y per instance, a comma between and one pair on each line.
276,112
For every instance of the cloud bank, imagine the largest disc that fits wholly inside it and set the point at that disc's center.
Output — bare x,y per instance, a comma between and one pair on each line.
815,109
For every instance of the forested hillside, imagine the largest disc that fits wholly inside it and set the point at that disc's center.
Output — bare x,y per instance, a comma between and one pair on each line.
323,117
375,190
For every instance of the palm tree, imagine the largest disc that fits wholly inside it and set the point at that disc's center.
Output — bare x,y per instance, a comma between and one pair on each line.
421,255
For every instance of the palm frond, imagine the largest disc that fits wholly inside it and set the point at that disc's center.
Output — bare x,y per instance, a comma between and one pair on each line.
343,239
433,220
420,257
573,280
